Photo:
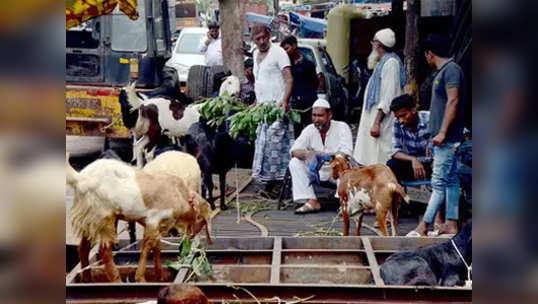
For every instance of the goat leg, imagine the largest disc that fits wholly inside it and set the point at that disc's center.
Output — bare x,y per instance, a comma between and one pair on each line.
149,234
112,273
159,272
139,148
83,254
208,181
359,223
345,218
222,180
381,217
132,232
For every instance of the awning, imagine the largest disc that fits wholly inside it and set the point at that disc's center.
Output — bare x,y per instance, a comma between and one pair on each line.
79,11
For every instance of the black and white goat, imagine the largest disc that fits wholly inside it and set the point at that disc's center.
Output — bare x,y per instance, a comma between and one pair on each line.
155,118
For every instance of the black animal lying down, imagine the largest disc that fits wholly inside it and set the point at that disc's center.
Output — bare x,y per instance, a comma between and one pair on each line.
438,264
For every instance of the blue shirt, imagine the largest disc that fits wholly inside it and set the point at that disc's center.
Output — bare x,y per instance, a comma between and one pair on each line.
412,143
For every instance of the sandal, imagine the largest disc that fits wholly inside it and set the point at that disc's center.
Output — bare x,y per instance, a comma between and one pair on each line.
306,208
413,233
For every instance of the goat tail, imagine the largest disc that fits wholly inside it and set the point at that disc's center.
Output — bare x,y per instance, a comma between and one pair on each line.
72,176
397,189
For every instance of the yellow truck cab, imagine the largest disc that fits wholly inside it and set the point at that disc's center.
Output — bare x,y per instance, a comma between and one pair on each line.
103,55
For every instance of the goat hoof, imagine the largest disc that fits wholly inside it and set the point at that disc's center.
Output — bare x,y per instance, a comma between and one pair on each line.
223,207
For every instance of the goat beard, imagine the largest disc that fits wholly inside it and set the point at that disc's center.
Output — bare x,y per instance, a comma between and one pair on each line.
373,59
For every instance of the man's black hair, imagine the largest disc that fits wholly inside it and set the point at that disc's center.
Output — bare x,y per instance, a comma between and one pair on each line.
289,40
405,101
213,25
437,44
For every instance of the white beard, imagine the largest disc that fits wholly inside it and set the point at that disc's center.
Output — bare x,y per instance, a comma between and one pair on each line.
373,59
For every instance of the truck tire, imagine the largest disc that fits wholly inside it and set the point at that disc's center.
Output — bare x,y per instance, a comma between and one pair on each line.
197,82
213,83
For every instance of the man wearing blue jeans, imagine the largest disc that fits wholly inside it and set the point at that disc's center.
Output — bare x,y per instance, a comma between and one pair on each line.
446,127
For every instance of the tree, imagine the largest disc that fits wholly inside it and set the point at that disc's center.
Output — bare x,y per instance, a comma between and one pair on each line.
232,36
411,46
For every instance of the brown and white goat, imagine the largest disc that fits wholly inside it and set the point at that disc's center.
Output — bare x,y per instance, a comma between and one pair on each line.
371,187
107,190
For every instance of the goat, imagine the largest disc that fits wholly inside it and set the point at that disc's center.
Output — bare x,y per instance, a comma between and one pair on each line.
437,264
371,187
230,85
216,153
155,120
107,190
180,164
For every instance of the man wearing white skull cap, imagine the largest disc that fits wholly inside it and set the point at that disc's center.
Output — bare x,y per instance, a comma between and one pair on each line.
322,136
374,137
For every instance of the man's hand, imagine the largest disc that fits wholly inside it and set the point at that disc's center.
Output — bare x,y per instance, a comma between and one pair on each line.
285,105
375,130
303,154
418,169
439,139
208,39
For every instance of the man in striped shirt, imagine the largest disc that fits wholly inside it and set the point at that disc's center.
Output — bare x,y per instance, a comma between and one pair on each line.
410,159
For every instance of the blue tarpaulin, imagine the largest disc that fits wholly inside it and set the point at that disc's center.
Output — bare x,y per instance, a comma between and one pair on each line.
257,18
308,23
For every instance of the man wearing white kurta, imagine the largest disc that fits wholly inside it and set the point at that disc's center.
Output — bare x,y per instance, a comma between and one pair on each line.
323,136
374,137
211,46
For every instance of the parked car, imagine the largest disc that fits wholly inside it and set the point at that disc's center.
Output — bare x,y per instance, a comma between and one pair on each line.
187,52
331,85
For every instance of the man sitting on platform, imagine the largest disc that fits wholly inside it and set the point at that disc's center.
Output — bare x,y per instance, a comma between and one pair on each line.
323,136
410,159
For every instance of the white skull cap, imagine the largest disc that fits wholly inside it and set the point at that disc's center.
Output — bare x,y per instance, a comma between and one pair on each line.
386,36
321,103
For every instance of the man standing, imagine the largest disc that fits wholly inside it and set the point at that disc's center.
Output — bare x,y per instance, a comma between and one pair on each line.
305,82
323,136
446,127
212,46
247,89
374,137
410,140
273,83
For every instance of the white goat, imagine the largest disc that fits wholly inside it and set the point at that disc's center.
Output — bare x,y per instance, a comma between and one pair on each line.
179,164
107,190
231,85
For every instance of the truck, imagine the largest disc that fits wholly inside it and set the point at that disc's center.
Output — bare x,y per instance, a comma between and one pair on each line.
104,54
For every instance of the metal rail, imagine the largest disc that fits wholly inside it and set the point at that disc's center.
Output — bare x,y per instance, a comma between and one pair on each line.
333,269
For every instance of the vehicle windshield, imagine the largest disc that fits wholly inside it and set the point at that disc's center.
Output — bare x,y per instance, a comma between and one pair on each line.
308,53
85,35
189,43
129,35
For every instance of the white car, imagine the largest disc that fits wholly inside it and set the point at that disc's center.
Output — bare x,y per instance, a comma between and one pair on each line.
187,52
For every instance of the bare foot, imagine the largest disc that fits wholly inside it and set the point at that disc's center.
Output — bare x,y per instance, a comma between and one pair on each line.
450,227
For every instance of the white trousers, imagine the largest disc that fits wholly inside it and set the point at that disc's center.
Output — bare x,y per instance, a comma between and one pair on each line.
300,179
